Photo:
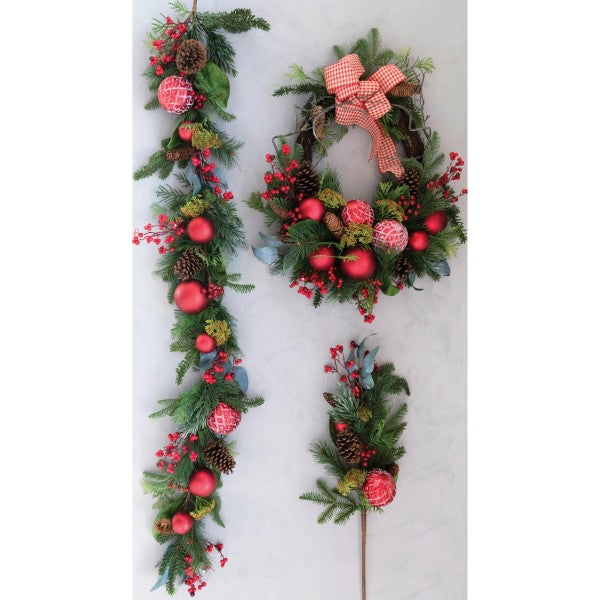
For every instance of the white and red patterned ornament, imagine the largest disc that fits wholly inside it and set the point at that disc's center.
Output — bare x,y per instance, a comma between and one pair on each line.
357,211
224,419
379,487
176,94
390,234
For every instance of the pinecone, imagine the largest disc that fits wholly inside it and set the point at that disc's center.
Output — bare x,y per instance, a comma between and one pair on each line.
188,264
307,179
217,455
405,89
163,526
412,178
334,224
402,268
318,117
180,153
349,446
392,469
191,57
329,398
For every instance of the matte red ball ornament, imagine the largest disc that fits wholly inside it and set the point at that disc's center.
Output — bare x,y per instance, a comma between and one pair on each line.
191,297
224,419
436,222
203,483
357,211
379,487
341,426
361,268
185,133
322,259
390,234
312,208
205,343
418,240
182,523
176,94
201,230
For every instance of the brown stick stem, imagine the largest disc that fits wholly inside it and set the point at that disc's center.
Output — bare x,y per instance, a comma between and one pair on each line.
363,526
194,9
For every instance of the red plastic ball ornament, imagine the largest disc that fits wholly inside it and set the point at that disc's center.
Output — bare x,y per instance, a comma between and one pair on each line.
418,240
182,523
176,94
341,426
436,222
201,230
312,208
379,487
390,234
322,259
185,133
203,483
224,419
357,211
205,343
362,267
191,297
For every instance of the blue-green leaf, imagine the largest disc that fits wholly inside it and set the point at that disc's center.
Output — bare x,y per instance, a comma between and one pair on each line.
266,254
270,240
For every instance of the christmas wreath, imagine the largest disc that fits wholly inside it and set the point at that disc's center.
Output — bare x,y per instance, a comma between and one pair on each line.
365,429
351,249
197,229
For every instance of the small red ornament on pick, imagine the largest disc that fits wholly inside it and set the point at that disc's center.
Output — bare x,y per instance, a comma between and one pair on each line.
312,208
341,426
203,483
182,523
185,133
191,297
201,230
418,240
436,222
362,267
322,259
205,343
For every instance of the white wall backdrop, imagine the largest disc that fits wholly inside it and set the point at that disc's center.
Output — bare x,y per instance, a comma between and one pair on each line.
277,551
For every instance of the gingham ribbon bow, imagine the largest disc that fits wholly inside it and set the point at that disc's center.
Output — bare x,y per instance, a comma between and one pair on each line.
364,102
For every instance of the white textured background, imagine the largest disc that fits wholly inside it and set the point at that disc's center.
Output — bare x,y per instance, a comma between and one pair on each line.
417,549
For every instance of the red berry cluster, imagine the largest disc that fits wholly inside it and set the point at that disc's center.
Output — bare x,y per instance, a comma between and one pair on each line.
206,172
219,549
366,455
199,100
193,579
172,453
170,230
344,368
210,375
411,206
453,173
167,45
370,297
280,183
316,279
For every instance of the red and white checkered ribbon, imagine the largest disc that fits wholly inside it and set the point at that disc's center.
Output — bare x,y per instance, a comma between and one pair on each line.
362,103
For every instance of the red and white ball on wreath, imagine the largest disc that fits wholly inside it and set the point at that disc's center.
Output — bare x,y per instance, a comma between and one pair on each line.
176,94
361,264
182,523
191,297
357,211
223,419
203,483
322,259
379,487
201,230
390,234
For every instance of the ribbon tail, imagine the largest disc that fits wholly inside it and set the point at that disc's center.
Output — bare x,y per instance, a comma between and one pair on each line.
387,155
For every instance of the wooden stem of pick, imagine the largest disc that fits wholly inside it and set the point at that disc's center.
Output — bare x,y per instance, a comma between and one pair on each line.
363,526
194,9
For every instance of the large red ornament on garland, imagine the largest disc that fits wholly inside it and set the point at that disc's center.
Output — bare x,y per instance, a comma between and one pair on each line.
362,267
379,487
357,211
205,343
176,94
201,230
435,222
312,208
182,523
390,234
191,297
418,240
223,419
203,483
322,259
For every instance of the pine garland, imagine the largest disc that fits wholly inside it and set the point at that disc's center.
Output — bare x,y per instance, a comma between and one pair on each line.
194,448
417,225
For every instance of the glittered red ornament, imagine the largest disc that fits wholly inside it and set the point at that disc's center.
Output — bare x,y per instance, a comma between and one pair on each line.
418,240
436,222
191,297
322,259
312,208
201,230
357,211
361,268
205,343
176,94
379,487
185,133
224,419
203,483
390,234
182,523
341,426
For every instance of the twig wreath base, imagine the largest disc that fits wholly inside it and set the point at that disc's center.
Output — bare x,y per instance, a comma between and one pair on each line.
197,229
348,249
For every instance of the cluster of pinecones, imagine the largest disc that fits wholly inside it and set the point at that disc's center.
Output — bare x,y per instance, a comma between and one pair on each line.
219,457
